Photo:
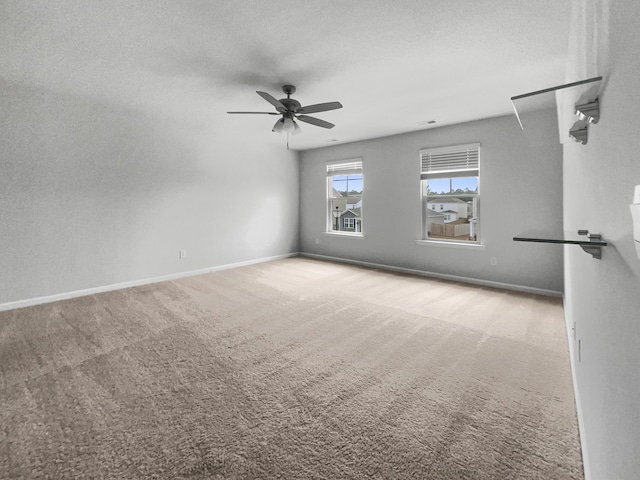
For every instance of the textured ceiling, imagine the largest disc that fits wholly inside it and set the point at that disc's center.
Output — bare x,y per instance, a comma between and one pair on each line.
392,64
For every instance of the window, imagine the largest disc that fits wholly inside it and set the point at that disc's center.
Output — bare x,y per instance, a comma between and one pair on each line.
344,196
450,180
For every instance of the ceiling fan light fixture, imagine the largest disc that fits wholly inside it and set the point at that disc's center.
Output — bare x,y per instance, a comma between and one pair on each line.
279,126
288,125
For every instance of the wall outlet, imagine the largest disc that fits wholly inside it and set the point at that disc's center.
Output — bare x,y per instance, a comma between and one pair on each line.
493,261
183,254
317,241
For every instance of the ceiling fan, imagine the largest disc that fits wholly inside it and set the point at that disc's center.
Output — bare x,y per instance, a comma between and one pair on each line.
291,109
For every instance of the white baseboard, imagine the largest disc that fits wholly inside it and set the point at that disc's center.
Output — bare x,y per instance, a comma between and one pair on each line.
442,276
133,283
576,394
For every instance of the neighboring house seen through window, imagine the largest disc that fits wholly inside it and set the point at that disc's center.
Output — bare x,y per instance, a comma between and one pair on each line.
450,179
344,196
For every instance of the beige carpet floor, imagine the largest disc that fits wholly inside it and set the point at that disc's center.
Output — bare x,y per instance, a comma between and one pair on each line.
290,369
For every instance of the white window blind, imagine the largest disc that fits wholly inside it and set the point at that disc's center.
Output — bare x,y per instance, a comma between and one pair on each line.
353,167
456,161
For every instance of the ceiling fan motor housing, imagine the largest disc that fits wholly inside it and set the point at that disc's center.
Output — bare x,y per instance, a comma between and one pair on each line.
291,104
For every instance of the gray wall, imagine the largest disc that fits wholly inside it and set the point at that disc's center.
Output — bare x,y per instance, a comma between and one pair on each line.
93,194
603,296
521,188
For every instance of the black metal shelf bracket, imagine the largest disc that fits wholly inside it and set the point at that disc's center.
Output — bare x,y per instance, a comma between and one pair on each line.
594,250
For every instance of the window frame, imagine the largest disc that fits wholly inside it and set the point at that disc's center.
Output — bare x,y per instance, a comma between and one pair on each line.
455,161
354,166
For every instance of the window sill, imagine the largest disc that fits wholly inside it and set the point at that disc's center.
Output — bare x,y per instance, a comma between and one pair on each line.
343,234
436,243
